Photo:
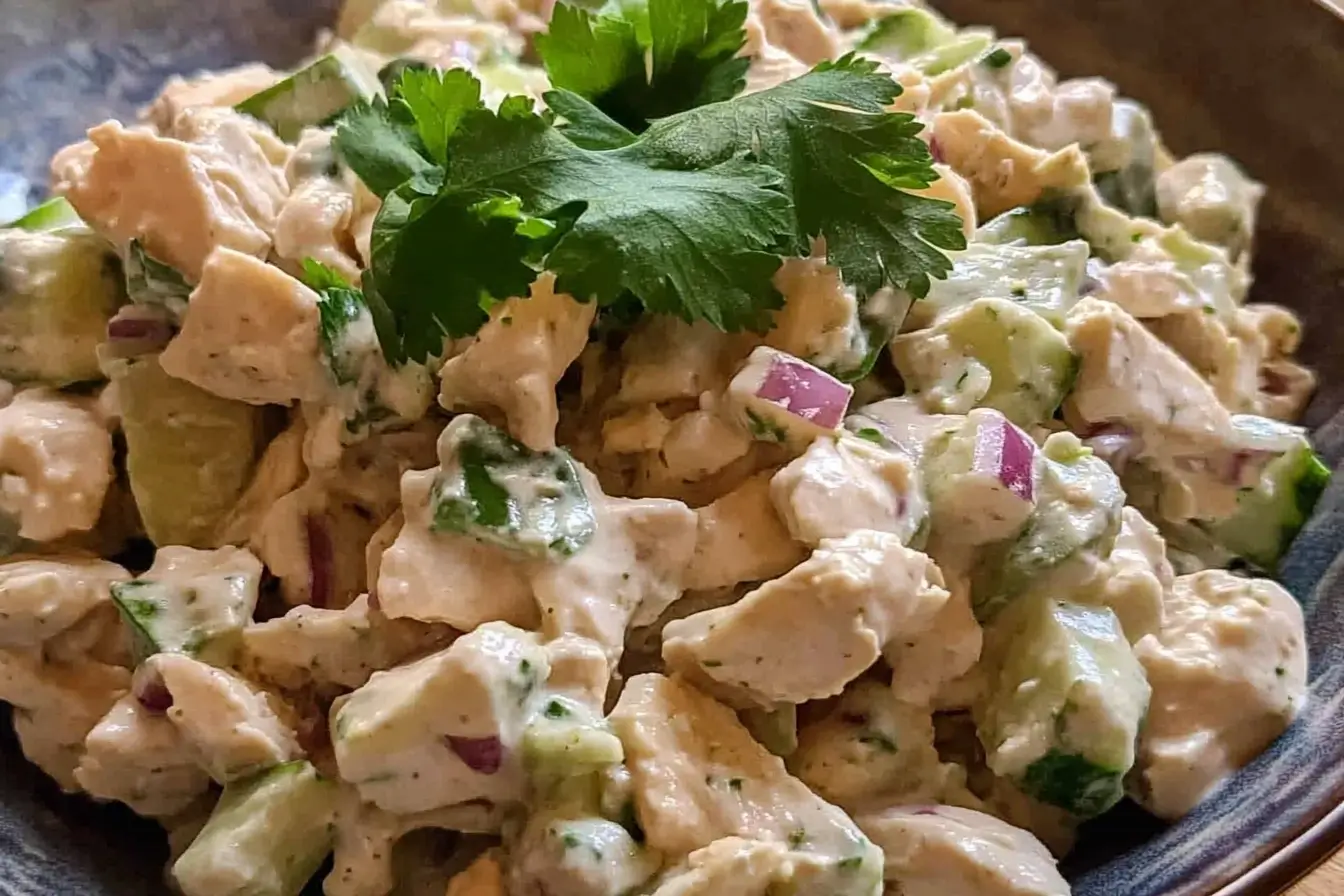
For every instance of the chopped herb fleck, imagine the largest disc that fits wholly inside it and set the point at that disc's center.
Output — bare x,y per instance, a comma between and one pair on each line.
556,710
878,741
997,58
869,434
797,838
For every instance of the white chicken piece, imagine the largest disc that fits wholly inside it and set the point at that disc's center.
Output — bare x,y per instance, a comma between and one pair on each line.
280,471
770,65
1228,671
232,726
137,757
933,668
843,484
517,358
699,776
944,850
216,182
1127,375
741,538
799,30
952,187
852,596
1137,580
1003,173
56,705
55,463
227,87
730,867
311,645
250,333
41,597
315,220
1212,198
872,749
699,444
446,729
366,837
634,567
447,577
666,359
820,318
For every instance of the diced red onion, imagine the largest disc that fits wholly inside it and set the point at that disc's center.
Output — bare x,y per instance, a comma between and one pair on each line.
481,754
1117,445
150,690
1016,460
321,560
807,392
936,150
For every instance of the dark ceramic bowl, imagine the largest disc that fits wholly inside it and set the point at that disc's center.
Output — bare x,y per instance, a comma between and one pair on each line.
1261,80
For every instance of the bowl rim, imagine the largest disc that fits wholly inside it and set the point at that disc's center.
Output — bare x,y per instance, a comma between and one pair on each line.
1284,867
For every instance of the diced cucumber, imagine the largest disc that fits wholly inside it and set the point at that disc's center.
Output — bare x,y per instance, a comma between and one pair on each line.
1047,222
1126,162
564,739
54,214
1069,697
967,45
1045,279
266,837
151,282
991,353
1270,515
191,602
981,479
905,33
1079,502
313,95
189,453
57,292
498,491
775,729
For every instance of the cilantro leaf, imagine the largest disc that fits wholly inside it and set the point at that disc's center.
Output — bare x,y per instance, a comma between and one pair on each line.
438,99
438,261
585,124
339,305
647,59
847,164
383,151
697,243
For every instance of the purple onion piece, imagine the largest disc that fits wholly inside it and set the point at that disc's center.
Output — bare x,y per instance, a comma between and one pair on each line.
1114,443
1017,463
150,690
936,150
805,391
321,560
119,328
481,754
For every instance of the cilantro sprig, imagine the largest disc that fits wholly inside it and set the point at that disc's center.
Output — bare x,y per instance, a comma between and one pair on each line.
639,60
691,218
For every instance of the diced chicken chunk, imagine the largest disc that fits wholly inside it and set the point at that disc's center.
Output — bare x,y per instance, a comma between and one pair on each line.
216,183
315,222
250,334
820,318
446,729
56,705
741,538
840,485
55,463
447,577
1003,172
944,850
1228,672
927,668
1138,577
311,645
517,358
635,565
736,867
137,757
666,359
228,87
853,596
231,725
872,749
41,597
483,877
699,776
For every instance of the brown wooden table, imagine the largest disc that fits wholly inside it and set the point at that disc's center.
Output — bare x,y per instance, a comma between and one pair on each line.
1328,880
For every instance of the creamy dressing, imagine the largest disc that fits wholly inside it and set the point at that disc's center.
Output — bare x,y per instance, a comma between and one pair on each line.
468,595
